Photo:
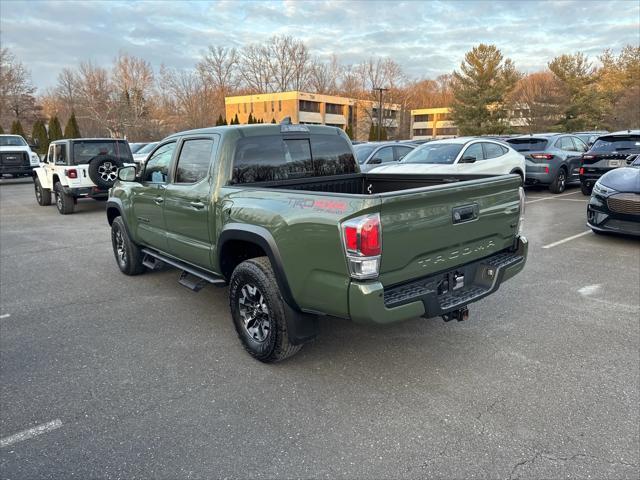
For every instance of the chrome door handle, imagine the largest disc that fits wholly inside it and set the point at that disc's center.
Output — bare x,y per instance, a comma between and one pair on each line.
197,205
159,200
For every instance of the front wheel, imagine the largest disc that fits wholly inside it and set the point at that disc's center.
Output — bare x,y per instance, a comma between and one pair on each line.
64,202
586,189
258,311
43,195
560,182
128,255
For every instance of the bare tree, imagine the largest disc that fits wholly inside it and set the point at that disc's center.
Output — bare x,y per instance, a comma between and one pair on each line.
132,81
17,99
325,77
219,67
539,98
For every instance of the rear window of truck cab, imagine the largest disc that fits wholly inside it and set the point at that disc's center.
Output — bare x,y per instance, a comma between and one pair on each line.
86,150
272,158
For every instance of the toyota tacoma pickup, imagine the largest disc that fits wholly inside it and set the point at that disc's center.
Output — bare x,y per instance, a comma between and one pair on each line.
282,215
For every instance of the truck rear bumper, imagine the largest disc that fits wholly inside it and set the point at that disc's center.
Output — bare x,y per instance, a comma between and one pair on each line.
432,296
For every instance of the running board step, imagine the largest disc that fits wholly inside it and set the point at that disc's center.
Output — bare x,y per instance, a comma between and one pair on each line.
152,263
191,277
191,281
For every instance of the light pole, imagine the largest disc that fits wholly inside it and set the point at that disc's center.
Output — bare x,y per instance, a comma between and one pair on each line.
380,90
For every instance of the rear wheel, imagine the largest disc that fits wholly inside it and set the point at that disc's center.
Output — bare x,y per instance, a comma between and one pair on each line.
64,202
560,182
258,311
586,189
43,195
128,255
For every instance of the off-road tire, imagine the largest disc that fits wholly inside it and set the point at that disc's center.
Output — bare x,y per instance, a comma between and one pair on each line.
43,195
258,273
64,203
585,189
103,170
128,255
560,182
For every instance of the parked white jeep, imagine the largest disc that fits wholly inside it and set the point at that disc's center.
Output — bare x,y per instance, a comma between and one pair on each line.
79,168
16,157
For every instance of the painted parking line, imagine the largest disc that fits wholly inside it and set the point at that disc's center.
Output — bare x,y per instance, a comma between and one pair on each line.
568,239
30,433
6,315
552,197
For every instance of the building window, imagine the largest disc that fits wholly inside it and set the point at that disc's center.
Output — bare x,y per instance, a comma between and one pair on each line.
308,106
245,107
447,131
279,105
421,132
265,107
273,108
422,118
333,109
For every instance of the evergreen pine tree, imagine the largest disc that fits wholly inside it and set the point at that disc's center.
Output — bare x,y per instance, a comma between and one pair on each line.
235,120
383,134
71,129
273,120
224,121
39,135
55,131
219,121
1,130
16,129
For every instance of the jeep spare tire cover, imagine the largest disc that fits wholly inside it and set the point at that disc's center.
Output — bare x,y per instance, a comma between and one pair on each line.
103,170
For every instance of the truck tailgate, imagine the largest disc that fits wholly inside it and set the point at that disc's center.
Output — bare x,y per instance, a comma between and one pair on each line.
425,232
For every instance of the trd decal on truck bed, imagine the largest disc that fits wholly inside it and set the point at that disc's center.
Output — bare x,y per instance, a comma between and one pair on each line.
321,205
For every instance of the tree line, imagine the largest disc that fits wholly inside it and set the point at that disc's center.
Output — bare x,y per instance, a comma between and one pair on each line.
129,98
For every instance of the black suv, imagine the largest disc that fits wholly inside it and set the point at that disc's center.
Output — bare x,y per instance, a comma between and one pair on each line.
608,152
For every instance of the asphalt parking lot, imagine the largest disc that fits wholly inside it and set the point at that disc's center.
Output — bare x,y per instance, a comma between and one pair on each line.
130,377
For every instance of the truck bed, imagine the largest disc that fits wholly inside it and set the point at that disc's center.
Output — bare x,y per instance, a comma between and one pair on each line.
365,183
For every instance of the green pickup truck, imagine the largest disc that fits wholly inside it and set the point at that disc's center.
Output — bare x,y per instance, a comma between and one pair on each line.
282,214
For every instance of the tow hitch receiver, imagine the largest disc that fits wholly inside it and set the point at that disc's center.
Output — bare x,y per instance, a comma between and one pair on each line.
459,315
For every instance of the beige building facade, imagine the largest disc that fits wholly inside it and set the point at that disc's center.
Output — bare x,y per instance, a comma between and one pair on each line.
315,109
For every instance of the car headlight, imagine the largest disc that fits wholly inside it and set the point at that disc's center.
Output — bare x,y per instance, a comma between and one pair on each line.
602,190
35,158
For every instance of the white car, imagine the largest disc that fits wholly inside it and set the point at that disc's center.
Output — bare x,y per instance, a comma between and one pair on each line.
16,158
140,156
460,156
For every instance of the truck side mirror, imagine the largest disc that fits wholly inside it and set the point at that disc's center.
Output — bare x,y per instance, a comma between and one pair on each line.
127,174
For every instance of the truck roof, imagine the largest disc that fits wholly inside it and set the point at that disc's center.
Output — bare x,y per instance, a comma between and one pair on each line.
88,140
266,129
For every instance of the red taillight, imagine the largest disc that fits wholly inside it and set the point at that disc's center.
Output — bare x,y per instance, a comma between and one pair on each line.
72,173
541,156
363,236
351,238
581,171
546,169
370,237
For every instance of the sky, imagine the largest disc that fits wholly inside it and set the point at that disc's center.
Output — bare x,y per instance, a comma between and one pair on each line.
425,38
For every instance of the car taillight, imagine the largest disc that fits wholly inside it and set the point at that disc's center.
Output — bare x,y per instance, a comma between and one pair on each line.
362,237
71,173
541,156
588,157
581,171
546,169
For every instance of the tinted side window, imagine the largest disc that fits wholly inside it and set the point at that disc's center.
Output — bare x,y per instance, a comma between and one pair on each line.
157,167
493,150
401,152
194,160
474,150
580,146
60,153
385,154
566,144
